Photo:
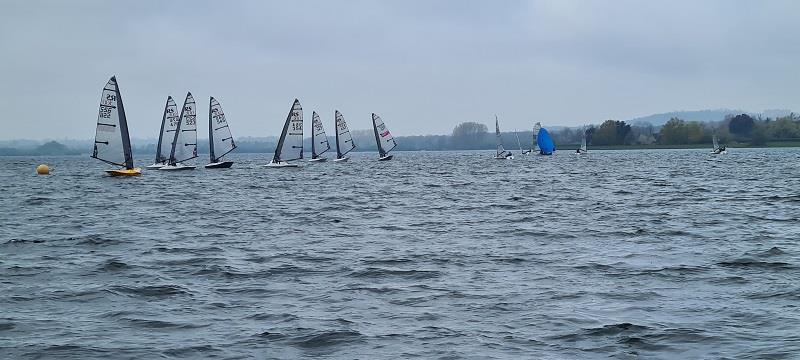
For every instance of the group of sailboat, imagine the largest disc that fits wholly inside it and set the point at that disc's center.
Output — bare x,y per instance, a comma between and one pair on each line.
542,143
112,142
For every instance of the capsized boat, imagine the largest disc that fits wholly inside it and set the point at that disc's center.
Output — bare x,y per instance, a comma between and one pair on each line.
290,144
319,140
220,140
169,121
112,143
383,137
718,150
545,142
184,141
344,140
502,153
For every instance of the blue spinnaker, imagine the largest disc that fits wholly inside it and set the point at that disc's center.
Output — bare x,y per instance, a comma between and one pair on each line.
545,142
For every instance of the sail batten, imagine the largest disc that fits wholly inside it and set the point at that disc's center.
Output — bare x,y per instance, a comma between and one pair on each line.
383,137
344,140
184,143
111,146
290,144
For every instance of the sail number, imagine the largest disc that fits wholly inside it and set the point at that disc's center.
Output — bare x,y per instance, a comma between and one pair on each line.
297,126
105,112
218,116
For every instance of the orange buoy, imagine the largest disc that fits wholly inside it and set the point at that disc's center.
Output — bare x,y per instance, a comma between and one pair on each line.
43,169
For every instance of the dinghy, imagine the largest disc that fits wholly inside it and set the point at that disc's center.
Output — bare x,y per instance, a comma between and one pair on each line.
184,142
583,150
545,142
521,151
112,143
717,149
535,145
502,153
319,140
290,144
220,140
383,137
344,140
168,123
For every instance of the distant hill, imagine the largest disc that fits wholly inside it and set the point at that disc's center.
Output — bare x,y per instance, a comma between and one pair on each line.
703,115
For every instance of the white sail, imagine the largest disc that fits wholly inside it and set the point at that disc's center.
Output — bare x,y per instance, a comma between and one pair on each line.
169,121
184,144
536,128
319,140
220,138
500,149
111,139
344,140
290,144
518,142
716,142
583,143
383,137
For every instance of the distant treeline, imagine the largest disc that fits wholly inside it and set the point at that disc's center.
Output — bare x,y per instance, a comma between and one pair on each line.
739,130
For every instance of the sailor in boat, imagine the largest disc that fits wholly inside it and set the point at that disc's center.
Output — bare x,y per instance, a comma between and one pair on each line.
509,155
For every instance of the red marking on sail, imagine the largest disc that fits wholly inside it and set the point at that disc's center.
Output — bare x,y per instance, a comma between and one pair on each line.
385,133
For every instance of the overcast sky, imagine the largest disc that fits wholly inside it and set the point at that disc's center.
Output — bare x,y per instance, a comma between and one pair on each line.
424,66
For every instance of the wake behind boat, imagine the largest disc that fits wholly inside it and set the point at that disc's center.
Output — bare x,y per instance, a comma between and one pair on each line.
220,140
319,140
184,142
383,137
112,143
344,140
290,144
169,121
502,153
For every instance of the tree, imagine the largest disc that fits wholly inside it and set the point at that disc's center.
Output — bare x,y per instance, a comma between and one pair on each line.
469,135
741,124
612,132
674,132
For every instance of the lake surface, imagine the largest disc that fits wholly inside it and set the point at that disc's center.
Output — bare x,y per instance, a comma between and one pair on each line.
623,254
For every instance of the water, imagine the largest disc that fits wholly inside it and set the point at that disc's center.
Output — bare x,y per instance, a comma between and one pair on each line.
626,254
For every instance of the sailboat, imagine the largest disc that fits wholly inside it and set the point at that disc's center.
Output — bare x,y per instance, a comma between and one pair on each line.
521,151
319,141
184,142
535,145
168,123
583,150
344,140
383,137
545,142
717,149
290,144
502,153
112,143
220,140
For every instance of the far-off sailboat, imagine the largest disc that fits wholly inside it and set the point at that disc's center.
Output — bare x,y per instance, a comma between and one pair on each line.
184,141
383,137
718,150
502,153
290,144
583,150
112,143
169,121
220,140
319,140
344,140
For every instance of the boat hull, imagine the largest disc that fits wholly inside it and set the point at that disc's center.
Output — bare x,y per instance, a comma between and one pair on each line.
504,157
154,166
386,158
219,165
319,159
341,159
280,164
177,167
125,172
723,152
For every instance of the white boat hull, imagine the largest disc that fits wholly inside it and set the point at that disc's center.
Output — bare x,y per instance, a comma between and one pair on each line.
319,159
279,164
342,159
154,166
177,167
385,158
504,157
723,152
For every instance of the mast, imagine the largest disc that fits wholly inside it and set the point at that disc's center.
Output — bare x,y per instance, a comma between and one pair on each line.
161,133
313,135
336,116
211,132
123,125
